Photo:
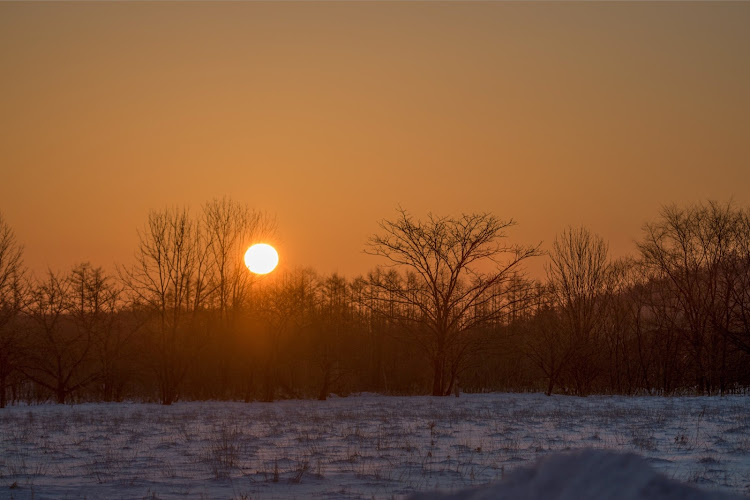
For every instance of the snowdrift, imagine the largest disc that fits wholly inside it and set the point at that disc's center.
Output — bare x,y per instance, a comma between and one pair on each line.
585,475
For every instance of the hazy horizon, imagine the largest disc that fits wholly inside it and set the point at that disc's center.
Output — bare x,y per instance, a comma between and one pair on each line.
329,115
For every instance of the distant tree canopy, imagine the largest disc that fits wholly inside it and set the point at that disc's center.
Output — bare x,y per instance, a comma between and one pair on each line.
449,301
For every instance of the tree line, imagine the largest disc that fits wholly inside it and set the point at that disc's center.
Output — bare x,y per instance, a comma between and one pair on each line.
450,306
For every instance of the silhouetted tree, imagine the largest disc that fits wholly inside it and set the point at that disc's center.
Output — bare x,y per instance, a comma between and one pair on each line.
454,268
285,307
546,342
231,228
169,278
56,354
94,308
738,272
579,275
687,250
329,331
620,334
12,292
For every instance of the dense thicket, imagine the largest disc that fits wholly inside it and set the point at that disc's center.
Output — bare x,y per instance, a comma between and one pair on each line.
452,308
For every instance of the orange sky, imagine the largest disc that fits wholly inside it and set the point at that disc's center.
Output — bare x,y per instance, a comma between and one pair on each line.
330,114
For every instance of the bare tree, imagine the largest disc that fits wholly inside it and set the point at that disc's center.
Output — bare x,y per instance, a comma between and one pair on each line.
170,279
738,271
365,297
579,275
230,229
329,332
659,328
545,342
94,307
56,354
455,266
687,250
285,306
11,301
621,326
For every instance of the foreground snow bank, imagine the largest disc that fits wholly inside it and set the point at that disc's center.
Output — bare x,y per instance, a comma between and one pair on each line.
585,475
359,447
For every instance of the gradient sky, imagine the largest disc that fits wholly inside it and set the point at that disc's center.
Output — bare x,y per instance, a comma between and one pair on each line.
329,115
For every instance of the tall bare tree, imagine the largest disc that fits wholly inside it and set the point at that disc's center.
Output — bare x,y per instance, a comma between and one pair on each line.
329,331
738,270
170,279
11,301
687,249
285,306
94,307
579,274
545,341
231,228
624,306
455,266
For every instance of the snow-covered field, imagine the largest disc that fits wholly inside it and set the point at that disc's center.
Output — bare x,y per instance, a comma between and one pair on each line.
357,447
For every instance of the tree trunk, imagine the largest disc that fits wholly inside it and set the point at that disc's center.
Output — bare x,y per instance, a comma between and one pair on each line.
437,376
168,393
3,383
249,387
550,385
107,393
268,386
61,395
324,389
723,374
168,396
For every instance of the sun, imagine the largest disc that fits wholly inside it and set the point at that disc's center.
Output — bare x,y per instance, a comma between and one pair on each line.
261,258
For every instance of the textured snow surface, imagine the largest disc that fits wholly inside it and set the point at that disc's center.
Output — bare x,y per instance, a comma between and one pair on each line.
585,475
365,446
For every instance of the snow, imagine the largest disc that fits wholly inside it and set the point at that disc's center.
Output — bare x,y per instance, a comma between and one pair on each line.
585,475
373,446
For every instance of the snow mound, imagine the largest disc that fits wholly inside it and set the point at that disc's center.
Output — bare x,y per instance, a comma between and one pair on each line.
585,475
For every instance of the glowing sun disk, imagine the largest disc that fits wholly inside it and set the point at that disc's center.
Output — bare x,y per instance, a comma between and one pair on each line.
261,258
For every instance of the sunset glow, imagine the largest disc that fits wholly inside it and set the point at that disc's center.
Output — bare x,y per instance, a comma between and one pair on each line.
217,99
